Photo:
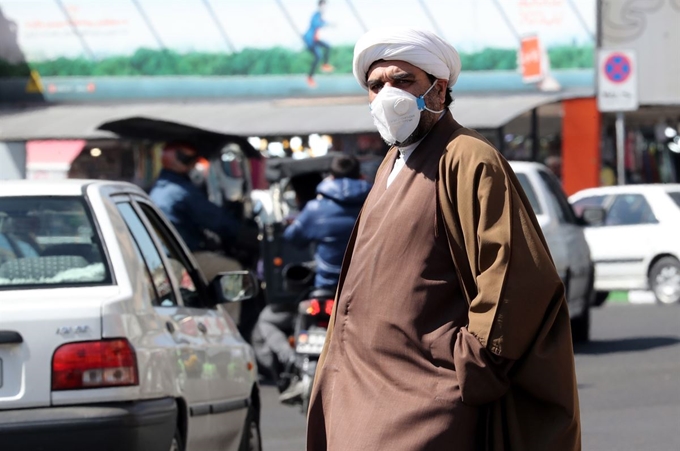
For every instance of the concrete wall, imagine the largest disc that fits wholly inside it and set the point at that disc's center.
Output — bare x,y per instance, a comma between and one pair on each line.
12,160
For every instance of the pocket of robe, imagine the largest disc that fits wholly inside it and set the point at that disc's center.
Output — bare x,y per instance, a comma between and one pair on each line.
482,375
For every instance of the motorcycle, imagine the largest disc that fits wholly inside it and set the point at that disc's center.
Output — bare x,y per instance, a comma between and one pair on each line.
287,273
315,307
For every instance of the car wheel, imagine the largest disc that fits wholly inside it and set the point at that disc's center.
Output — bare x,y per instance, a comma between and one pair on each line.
177,444
664,280
580,326
251,440
600,298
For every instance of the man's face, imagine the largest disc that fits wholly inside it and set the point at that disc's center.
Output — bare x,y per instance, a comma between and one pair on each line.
186,157
409,78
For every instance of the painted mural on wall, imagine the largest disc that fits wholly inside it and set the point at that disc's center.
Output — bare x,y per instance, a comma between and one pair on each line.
299,44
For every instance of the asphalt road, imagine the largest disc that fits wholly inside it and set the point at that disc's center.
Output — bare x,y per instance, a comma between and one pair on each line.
629,385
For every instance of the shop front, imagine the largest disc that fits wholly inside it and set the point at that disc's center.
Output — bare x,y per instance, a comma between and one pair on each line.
651,146
651,133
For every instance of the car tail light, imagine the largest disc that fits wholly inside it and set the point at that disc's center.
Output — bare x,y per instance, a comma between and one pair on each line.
94,364
315,307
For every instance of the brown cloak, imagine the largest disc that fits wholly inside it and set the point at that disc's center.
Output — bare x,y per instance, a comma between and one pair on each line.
516,307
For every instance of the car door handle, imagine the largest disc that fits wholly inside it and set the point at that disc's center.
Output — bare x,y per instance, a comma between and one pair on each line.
202,328
10,337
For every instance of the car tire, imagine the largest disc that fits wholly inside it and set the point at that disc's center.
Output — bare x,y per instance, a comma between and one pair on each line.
251,440
177,444
664,280
600,298
580,326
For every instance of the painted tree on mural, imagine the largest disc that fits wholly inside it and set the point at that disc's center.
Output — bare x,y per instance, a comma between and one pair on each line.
271,61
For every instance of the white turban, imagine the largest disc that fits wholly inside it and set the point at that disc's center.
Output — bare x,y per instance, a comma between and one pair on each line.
420,48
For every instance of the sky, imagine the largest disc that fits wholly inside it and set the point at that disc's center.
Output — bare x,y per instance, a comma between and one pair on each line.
116,27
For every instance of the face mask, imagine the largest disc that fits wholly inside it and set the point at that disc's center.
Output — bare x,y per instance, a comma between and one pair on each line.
396,113
184,158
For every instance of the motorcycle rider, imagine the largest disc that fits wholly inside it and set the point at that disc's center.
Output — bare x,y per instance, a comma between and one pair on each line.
327,222
192,214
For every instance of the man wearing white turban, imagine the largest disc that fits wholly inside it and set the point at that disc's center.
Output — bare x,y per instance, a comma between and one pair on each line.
450,328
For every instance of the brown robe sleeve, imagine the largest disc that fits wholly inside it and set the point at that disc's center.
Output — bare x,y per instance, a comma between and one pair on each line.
482,375
517,309
504,263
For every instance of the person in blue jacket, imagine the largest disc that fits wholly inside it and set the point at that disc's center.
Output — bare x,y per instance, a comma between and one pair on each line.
328,220
320,49
184,204
190,211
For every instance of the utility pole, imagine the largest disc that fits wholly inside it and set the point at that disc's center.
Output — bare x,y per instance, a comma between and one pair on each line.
288,18
356,15
581,20
507,21
431,18
75,30
149,25
219,26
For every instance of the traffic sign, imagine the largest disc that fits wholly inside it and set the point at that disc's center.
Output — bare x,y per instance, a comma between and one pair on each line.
617,81
617,68
34,85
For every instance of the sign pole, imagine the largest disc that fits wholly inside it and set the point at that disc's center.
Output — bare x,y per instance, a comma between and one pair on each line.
620,148
617,91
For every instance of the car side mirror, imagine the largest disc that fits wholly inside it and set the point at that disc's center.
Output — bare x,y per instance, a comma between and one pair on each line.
235,286
593,216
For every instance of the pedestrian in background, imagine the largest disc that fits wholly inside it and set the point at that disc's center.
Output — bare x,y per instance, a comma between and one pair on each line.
451,329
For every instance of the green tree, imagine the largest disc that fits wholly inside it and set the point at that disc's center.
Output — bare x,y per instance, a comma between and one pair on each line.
271,61
571,57
8,69
490,59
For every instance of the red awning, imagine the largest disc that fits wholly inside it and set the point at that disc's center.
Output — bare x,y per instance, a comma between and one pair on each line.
53,151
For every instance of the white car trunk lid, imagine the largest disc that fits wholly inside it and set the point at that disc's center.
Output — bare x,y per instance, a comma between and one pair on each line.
33,324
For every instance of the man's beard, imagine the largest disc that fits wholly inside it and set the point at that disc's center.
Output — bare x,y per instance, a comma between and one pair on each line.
427,120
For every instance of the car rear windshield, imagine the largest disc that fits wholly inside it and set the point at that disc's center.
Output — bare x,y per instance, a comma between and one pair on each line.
48,242
675,195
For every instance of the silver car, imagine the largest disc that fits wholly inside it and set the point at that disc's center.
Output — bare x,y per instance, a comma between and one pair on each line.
110,337
564,233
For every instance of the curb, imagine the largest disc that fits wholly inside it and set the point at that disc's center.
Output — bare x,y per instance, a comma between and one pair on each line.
632,297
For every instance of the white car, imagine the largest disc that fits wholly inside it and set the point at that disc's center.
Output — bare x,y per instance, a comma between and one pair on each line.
637,246
110,338
563,232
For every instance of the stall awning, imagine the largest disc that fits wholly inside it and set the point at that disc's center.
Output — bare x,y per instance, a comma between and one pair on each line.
277,117
54,152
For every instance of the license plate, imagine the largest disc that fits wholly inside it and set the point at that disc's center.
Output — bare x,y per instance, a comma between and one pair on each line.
311,342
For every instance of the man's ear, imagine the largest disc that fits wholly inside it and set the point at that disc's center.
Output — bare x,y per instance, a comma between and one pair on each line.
442,85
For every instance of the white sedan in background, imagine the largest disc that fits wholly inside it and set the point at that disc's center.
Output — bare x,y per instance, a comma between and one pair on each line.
637,247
